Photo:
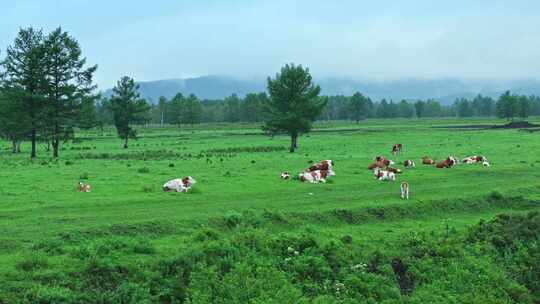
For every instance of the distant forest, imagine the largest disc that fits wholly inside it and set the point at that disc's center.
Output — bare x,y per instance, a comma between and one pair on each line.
188,110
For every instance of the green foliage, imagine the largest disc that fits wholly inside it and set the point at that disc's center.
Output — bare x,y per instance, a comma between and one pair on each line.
294,103
127,108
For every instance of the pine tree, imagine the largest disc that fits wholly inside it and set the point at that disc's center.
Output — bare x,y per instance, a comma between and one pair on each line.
69,83
128,108
294,103
358,107
24,77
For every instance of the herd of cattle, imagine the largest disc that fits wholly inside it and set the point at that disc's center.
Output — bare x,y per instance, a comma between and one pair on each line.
382,168
321,171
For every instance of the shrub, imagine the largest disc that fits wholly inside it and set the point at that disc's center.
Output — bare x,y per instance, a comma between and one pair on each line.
69,163
346,239
84,176
495,195
143,246
32,262
143,170
148,189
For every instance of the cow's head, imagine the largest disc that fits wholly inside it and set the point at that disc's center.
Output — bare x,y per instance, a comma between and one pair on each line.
188,181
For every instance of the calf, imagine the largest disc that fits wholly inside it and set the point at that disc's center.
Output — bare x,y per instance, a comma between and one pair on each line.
396,149
179,185
409,163
82,187
317,176
322,165
404,190
427,161
285,175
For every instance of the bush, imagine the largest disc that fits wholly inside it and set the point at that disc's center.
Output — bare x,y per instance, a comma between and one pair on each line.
84,176
143,170
32,262
495,196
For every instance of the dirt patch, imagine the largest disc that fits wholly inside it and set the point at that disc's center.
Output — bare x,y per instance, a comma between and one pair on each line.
517,125
510,125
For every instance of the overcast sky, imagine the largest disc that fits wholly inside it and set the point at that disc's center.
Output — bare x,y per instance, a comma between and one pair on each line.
380,40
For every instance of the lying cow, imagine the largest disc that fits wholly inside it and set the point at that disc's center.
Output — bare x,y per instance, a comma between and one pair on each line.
449,162
409,164
322,165
396,149
315,177
179,185
82,187
384,175
381,162
427,161
394,170
474,159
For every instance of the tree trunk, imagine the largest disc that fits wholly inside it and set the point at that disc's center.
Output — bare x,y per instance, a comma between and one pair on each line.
294,142
19,142
14,146
126,142
56,145
33,138
56,140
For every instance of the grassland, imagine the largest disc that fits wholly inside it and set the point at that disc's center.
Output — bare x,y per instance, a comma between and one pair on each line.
50,235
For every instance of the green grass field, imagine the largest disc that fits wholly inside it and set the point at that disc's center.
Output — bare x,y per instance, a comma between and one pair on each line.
128,221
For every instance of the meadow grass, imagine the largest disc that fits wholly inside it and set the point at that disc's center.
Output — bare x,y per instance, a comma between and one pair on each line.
46,225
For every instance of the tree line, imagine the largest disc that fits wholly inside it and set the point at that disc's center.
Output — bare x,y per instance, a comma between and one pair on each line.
47,92
190,110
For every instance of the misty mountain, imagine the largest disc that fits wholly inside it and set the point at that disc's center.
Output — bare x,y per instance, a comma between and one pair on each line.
443,90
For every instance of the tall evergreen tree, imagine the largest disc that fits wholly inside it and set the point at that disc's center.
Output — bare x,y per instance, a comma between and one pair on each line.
358,107
524,107
69,84
14,120
128,108
294,103
232,108
24,76
508,106
191,110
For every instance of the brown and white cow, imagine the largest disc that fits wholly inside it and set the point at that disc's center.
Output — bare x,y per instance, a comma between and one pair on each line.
396,149
474,159
409,163
381,163
322,165
394,170
315,177
82,187
427,161
449,162
179,185
384,175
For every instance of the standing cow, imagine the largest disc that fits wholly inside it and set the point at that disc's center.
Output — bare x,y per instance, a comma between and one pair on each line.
396,149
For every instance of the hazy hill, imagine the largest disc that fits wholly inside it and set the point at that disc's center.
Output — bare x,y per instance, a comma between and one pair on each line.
444,90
